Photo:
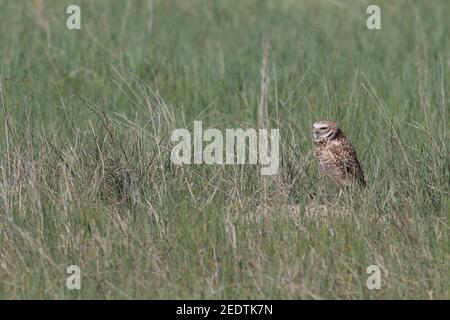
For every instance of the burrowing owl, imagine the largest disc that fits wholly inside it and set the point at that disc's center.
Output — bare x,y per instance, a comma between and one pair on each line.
336,154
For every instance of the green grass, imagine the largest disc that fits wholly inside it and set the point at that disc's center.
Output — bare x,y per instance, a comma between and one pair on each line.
85,171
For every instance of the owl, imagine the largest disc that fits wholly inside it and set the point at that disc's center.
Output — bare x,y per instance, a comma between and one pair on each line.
336,155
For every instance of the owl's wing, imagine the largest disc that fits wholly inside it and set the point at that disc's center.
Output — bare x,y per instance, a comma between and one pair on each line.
345,156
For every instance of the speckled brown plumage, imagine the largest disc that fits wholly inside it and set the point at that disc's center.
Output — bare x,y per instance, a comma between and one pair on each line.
336,154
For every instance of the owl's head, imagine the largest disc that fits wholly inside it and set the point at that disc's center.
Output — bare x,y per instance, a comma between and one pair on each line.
325,130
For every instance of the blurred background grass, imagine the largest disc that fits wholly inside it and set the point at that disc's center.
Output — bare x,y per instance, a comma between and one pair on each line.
86,178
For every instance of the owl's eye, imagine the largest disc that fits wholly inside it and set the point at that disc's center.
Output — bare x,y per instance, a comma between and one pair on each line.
323,128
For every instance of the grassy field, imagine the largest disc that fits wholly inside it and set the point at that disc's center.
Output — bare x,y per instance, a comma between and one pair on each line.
85,170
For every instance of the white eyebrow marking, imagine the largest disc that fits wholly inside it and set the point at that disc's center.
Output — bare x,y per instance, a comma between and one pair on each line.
318,125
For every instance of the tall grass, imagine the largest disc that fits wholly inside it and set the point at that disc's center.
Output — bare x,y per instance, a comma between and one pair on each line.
85,170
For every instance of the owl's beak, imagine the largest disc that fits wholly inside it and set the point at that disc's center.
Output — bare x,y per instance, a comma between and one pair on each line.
316,135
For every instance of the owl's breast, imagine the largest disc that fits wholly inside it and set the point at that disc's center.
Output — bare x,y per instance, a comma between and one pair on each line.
328,160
